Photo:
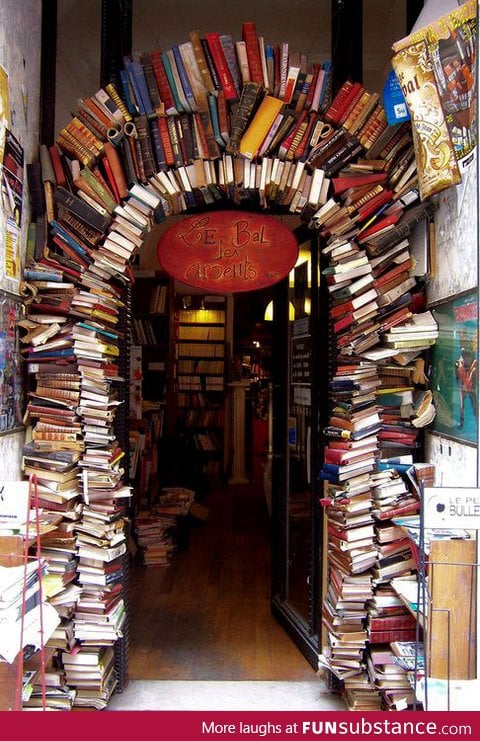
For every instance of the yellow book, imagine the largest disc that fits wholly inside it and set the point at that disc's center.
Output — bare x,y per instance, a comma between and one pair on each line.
260,126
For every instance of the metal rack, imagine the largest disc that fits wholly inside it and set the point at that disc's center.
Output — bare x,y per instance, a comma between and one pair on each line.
448,590
15,552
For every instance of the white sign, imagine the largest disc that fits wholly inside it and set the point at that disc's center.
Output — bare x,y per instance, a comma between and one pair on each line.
452,508
13,504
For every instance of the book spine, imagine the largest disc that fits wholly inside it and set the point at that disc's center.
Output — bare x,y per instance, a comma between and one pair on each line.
283,68
157,145
313,84
228,46
143,135
242,59
223,71
389,636
134,89
184,78
73,148
115,96
164,90
223,118
173,134
333,112
167,65
249,36
201,61
248,99
84,212
217,85
163,129
151,83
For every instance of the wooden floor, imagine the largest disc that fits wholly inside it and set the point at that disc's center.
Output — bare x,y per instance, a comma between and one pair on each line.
207,615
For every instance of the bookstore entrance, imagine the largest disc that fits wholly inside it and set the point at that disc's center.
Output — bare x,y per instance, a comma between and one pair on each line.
239,598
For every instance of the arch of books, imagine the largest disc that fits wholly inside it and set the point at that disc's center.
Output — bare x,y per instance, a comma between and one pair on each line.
208,123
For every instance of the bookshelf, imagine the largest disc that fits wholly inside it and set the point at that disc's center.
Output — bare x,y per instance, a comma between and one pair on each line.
200,365
150,371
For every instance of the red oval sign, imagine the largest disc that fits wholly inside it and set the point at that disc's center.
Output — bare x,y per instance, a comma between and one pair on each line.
228,251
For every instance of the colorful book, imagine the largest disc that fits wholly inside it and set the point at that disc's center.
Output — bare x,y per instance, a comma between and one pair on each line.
259,126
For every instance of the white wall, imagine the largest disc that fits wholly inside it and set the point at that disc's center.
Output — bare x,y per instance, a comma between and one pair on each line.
20,57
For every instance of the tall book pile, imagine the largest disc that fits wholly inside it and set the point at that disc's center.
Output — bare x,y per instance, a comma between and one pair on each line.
380,330
72,356
160,531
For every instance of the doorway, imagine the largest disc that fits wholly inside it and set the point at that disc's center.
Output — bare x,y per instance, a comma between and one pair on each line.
229,604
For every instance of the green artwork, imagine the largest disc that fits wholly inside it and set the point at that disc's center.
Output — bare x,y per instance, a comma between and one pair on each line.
455,368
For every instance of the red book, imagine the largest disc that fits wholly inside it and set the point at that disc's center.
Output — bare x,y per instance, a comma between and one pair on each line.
369,209
111,179
224,74
311,90
166,141
354,181
70,252
353,303
162,82
343,323
393,273
389,636
388,221
66,270
342,101
287,142
407,509
300,150
346,456
249,35
394,622
116,167
57,166
356,94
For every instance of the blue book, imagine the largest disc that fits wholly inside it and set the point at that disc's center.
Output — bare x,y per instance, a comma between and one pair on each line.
65,352
132,79
32,274
85,325
59,231
184,79
127,92
325,98
141,81
157,145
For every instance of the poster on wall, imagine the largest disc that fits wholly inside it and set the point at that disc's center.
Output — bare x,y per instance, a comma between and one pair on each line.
454,379
11,381
436,69
11,181
4,109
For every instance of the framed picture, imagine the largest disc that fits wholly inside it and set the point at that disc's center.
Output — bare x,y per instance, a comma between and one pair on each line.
454,379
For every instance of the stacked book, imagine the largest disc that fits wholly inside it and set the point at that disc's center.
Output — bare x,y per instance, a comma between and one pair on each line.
393,681
378,395
90,671
161,530
350,458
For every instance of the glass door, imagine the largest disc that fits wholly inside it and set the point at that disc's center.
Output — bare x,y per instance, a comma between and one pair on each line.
297,547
